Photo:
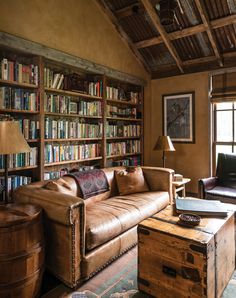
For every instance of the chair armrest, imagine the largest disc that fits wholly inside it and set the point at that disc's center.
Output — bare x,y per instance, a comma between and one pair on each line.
59,207
159,179
206,184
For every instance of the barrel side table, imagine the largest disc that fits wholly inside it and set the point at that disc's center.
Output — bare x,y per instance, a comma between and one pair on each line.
21,250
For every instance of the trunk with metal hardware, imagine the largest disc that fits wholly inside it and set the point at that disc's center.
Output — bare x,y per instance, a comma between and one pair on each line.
177,261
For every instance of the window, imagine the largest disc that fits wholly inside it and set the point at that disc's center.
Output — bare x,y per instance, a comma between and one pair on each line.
224,136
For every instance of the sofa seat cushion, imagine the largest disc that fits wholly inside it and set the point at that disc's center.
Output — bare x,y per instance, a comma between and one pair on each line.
221,192
109,218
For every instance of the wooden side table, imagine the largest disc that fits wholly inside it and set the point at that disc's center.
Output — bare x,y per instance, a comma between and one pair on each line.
21,250
179,186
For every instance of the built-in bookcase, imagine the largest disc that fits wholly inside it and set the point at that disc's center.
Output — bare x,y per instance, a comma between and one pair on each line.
71,119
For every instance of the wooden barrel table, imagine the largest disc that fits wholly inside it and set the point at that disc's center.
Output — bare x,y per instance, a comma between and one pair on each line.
21,250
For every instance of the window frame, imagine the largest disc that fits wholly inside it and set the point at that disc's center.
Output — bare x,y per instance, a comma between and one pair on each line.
214,130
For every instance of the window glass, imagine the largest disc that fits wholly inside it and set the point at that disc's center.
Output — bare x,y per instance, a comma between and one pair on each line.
223,149
224,105
224,128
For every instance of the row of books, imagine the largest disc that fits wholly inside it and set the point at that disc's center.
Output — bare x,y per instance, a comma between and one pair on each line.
29,128
58,153
18,99
59,104
130,161
121,94
17,72
87,108
95,88
55,174
21,159
64,171
120,148
114,111
65,105
121,130
14,182
64,129
57,80
53,79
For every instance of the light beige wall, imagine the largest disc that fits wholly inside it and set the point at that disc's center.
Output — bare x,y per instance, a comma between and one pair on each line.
78,27
191,160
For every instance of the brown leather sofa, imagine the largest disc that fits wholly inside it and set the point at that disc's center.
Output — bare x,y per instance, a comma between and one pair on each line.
83,236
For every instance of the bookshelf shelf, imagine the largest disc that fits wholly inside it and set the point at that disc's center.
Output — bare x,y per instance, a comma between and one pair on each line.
48,113
124,119
123,102
18,111
16,84
72,93
73,140
19,169
122,138
123,155
72,115
71,161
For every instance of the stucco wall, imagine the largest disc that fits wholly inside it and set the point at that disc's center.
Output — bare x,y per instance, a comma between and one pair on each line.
78,27
190,160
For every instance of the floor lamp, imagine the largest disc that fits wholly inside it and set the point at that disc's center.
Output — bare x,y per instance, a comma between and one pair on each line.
164,144
12,141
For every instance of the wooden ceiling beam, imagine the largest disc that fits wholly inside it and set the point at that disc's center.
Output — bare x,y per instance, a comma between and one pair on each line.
128,10
173,35
157,24
225,21
195,62
209,29
123,34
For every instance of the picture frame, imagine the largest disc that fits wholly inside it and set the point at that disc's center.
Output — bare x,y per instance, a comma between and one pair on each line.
178,117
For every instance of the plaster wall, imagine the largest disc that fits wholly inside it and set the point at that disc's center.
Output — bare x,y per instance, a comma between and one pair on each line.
190,160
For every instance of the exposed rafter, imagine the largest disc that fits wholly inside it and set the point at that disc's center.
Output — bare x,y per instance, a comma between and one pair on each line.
209,31
157,24
123,34
187,31
128,10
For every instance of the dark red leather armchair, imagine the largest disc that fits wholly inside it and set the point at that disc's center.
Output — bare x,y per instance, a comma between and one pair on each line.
223,186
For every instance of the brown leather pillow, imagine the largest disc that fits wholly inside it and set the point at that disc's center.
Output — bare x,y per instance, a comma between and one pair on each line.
59,185
130,181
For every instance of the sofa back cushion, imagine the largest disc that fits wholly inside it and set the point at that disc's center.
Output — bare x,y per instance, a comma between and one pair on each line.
68,185
130,181
226,170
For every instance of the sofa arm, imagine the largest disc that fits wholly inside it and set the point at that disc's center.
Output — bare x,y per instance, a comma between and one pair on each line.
59,207
64,227
159,179
206,184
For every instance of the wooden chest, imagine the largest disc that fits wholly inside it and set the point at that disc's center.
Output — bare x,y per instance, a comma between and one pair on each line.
176,261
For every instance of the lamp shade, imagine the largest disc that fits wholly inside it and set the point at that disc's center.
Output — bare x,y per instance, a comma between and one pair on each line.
11,139
164,143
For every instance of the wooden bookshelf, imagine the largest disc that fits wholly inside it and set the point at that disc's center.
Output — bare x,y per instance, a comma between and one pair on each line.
19,169
124,119
73,93
123,155
71,161
122,138
17,84
18,111
73,140
122,102
72,115
130,96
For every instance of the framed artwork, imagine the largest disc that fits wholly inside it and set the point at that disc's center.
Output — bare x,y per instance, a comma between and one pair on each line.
178,117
